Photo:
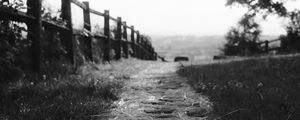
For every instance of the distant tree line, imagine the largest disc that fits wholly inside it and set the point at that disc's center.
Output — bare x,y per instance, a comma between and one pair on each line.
243,38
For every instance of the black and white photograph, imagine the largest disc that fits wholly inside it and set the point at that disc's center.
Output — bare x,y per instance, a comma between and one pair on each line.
149,59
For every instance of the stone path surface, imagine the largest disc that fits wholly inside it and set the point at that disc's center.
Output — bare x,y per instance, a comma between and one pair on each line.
158,93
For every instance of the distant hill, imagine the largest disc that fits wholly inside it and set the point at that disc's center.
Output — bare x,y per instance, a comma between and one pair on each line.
192,46
195,47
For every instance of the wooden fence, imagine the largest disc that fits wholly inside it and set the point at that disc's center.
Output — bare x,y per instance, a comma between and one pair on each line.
266,45
138,46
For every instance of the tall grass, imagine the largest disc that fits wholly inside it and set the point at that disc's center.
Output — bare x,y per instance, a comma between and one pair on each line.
64,96
253,89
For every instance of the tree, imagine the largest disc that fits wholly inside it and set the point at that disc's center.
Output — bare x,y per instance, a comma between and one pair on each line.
275,7
242,40
262,6
291,41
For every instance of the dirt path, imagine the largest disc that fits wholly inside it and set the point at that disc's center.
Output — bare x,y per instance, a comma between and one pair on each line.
159,93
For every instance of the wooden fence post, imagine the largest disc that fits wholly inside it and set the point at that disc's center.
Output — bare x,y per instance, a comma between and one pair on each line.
153,53
35,33
107,43
266,46
119,38
150,52
143,51
67,36
125,43
283,45
133,45
146,50
138,51
87,26
137,45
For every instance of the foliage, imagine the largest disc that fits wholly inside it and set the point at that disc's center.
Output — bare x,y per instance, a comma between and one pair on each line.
294,25
262,6
13,45
260,89
243,39
147,39
266,7
291,42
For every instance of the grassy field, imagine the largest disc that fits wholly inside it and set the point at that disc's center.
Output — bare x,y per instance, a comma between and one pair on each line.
251,89
65,96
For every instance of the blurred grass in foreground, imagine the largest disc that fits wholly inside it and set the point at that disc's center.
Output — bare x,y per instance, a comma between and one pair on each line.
253,89
64,95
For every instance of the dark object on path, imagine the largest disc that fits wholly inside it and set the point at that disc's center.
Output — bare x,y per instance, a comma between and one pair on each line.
162,59
219,57
181,59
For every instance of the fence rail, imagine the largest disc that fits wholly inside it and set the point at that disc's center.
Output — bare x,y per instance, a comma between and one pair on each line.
139,47
266,45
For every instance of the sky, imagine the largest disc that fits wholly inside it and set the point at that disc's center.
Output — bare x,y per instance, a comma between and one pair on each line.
179,17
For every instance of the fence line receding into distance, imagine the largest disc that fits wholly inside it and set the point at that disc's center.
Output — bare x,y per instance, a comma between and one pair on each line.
111,40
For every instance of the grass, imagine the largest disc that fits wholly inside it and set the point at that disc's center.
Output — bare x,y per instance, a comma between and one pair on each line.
64,95
252,89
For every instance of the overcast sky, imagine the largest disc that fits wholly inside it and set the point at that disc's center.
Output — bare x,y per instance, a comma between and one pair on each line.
180,17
